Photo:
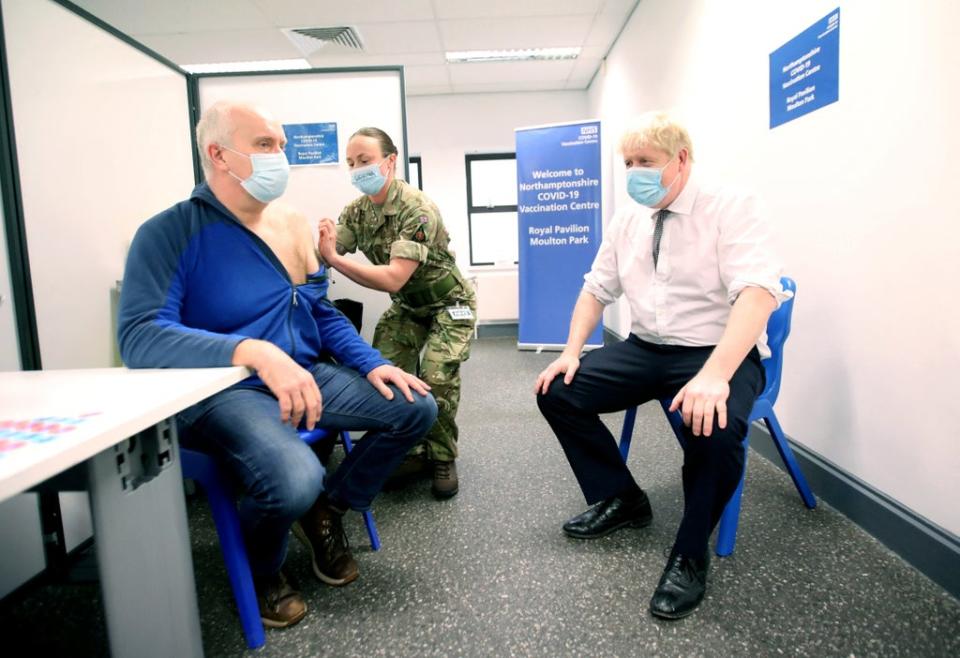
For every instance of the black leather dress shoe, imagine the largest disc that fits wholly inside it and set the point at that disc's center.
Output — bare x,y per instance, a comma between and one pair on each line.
609,515
682,586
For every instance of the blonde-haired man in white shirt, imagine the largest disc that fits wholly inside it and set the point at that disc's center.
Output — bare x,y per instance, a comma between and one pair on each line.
695,264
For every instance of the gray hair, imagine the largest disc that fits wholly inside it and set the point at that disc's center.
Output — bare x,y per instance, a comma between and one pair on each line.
216,126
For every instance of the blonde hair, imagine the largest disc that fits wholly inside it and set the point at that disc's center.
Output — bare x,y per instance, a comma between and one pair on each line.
658,130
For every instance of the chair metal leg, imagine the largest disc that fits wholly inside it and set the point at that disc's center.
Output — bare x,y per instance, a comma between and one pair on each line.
626,433
224,512
786,454
223,508
368,515
676,422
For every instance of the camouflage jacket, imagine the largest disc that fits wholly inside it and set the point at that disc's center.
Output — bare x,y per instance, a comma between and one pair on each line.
408,225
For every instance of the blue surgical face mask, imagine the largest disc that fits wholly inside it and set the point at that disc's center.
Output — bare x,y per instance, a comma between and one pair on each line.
368,179
645,184
269,178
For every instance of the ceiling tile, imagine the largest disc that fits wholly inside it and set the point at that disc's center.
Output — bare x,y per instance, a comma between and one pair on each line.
426,76
608,23
490,72
507,85
217,47
299,13
171,16
405,37
494,34
323,58
447,9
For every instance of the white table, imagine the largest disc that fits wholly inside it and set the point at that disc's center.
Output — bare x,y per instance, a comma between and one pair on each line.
120,423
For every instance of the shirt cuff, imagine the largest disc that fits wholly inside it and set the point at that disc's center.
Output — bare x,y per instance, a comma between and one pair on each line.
772,286
601,294
409,250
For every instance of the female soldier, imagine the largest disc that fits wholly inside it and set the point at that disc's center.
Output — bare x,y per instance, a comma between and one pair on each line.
400,231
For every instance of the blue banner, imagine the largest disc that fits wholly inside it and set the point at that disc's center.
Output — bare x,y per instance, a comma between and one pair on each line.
311,143
805,71
559,220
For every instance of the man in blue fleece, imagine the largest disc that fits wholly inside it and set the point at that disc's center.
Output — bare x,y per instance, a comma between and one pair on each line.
229,278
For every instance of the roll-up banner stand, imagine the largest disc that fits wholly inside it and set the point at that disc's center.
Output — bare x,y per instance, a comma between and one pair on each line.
559,219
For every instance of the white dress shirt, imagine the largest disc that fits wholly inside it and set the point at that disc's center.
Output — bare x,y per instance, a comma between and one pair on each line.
715,243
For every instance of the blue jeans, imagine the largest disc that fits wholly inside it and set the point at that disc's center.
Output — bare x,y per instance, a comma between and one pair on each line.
279,475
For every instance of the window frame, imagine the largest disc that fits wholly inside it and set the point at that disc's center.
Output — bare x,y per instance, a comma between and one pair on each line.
469,159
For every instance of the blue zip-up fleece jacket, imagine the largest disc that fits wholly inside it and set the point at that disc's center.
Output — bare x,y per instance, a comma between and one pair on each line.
198,282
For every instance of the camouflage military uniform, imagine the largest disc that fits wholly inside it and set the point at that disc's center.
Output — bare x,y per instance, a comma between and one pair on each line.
408,225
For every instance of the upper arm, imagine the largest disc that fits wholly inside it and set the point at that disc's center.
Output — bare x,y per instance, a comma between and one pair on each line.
419,229
346,231
602,282
401,269
303,233
745,250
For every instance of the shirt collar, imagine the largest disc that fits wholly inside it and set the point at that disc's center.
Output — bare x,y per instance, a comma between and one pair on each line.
683,204
391,205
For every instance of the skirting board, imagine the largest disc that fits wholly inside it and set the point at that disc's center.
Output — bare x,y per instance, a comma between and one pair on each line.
497,330
511,329
927,547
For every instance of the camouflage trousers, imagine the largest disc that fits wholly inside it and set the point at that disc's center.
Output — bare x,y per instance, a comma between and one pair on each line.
431,345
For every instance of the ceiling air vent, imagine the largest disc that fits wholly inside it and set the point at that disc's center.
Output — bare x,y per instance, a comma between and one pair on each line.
311,39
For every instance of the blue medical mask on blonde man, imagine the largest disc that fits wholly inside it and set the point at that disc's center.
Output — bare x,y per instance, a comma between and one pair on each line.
645,184
268,181
368,179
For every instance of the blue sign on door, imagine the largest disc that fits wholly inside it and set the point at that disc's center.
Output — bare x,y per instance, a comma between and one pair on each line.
311,143
805,71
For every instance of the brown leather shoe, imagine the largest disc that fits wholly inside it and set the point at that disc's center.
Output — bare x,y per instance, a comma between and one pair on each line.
321,531
281,605
445,481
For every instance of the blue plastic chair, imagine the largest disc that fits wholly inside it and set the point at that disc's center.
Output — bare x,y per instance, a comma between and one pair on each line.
200,467
778,329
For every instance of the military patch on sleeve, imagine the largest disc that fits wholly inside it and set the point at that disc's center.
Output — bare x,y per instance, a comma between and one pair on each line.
423,219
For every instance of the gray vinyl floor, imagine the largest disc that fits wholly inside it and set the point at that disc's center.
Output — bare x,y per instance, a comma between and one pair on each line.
489,573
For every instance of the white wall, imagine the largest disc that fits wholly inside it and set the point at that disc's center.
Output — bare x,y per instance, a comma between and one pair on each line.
103,143
443,129
860,193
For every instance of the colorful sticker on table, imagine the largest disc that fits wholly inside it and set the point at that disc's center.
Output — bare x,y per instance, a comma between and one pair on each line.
17,433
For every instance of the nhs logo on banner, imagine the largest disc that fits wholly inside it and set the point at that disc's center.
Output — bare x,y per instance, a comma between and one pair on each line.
559,219
805,71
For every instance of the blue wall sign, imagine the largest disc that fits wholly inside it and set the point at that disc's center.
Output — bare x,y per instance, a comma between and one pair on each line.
311,143
559,219
805,71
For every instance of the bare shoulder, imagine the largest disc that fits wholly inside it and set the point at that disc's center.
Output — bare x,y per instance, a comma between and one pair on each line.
288,218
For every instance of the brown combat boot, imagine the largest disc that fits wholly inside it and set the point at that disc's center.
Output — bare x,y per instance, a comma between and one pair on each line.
321,531
281,605
411,469
445,481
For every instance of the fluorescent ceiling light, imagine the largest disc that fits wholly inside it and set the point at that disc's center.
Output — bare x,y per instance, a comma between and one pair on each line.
262,65
526,55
